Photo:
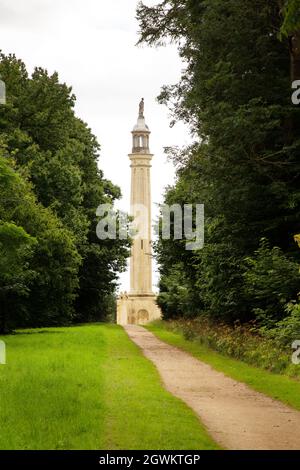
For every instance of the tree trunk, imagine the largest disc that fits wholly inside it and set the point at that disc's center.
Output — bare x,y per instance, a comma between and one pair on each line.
3,315
295,56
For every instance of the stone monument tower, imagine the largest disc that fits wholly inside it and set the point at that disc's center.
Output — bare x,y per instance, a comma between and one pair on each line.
139,306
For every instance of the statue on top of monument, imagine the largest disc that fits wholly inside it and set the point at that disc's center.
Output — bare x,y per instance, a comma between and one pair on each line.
141,108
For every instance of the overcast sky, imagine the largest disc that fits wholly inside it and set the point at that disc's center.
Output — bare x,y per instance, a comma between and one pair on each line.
91,44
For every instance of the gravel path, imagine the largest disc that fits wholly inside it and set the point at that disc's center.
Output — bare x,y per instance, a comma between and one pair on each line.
235,416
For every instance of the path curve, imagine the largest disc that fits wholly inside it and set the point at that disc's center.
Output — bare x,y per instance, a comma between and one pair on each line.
236,416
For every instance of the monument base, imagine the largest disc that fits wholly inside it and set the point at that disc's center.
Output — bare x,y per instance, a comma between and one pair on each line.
137,309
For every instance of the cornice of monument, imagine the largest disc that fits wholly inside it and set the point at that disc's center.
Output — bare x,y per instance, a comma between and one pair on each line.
143,156
140,160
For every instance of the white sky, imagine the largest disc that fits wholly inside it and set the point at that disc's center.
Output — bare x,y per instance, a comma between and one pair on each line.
91,44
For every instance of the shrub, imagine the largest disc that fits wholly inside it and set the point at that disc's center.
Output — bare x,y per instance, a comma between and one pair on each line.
287,330
271,280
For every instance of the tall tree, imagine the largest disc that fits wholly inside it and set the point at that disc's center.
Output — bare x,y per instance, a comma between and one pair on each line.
58,154
40,262
244,166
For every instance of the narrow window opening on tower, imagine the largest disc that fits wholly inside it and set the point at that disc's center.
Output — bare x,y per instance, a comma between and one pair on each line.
142,244
2,92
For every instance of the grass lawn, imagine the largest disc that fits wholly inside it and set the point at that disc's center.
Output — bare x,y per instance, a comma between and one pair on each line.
88,387
276,386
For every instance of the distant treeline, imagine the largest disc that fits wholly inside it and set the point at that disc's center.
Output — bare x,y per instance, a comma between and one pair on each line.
241,57
53,268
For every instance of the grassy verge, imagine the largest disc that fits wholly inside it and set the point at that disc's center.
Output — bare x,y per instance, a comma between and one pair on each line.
276,386
88,387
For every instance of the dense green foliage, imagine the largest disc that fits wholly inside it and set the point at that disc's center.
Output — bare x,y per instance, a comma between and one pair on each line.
290,29
291,11
50,189
244,165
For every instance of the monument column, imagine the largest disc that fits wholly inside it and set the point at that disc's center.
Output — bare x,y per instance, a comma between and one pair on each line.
140,158
140,306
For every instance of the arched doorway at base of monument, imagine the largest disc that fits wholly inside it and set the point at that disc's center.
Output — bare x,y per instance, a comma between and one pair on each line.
139,318
132,319
142,317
